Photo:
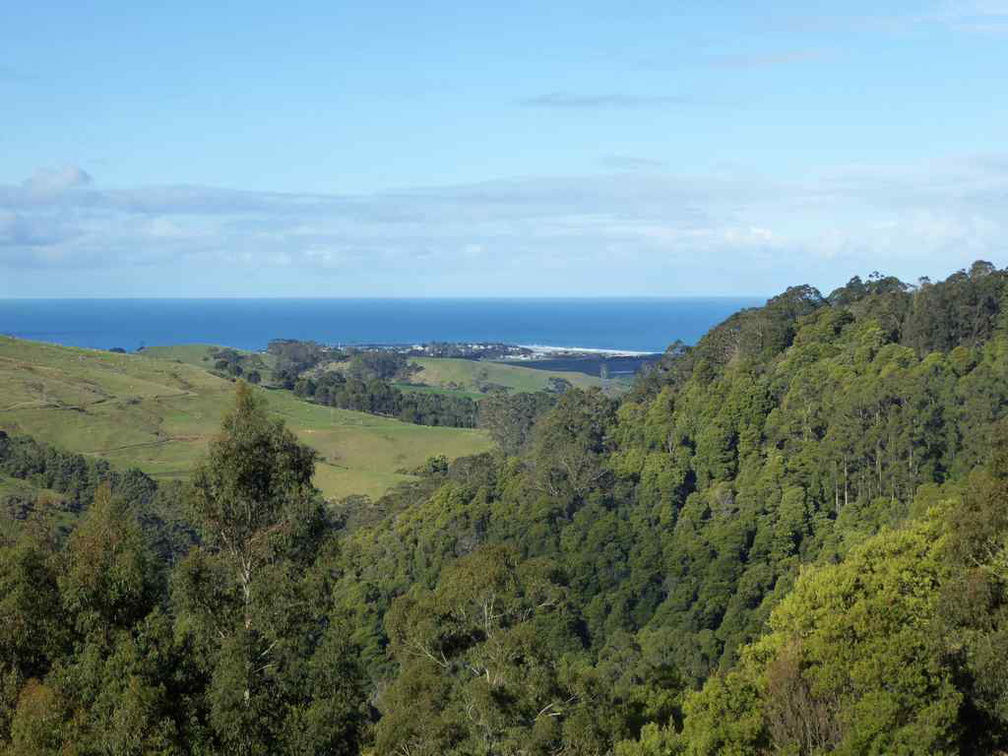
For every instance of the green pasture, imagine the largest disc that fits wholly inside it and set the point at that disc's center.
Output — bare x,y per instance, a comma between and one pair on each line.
468,375
158,414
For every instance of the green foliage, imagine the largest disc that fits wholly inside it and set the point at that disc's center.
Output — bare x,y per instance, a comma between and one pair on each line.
110,579
365,391
852,663
570,443
253,494
678,520
472,659
973,606
510,417
32,617
250,599
232,363
245,654
791,539
292,358
379,365
73,475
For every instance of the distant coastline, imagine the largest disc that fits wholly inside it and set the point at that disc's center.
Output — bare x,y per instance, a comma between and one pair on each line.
606,326
556,350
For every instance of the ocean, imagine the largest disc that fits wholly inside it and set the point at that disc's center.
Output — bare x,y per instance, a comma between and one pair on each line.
639,325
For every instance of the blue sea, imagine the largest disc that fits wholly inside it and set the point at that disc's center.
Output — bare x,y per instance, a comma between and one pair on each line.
640,325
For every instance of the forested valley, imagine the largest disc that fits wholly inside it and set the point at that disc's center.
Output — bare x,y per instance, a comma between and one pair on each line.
789,538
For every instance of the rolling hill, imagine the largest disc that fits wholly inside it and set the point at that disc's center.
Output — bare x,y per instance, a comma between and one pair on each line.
157,414
468,375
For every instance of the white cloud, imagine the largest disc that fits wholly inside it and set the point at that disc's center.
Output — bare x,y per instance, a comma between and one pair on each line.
659,233
48,184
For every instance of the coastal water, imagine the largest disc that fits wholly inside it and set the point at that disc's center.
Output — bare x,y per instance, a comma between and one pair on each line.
644,325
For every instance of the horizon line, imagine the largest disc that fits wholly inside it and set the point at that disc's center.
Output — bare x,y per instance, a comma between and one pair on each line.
466,298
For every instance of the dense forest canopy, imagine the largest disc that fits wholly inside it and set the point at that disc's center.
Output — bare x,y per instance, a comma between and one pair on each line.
789,538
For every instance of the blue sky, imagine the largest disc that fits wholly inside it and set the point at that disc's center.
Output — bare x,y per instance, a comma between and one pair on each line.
452,149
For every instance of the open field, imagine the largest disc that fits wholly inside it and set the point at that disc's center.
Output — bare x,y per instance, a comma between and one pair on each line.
158,414
469,374
190,354
197,354
16,486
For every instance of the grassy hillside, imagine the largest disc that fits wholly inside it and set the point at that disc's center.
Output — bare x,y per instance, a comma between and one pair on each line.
469,374
16,487
438,375
158,414
197,354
